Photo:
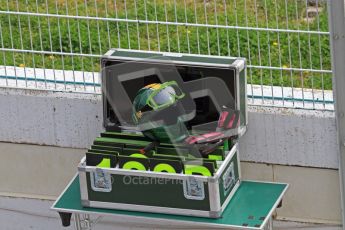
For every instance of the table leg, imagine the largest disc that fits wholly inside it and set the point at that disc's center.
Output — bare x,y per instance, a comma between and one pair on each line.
65,218
84,222
87,221
77,221
270,223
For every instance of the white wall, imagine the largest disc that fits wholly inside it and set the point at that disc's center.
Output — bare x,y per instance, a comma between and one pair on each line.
291,137
277,136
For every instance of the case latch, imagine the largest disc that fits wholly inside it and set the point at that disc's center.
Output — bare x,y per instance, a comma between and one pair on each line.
229,178
193,189
100,181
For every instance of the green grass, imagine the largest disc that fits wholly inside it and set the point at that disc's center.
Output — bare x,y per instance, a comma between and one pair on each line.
91,36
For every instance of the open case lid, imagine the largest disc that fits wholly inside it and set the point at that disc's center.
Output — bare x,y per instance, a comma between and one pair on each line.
209,83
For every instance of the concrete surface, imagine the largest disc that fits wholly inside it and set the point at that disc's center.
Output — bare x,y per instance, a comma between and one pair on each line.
36,171
313,194
42,172
49,118
275,135
290,137
23,213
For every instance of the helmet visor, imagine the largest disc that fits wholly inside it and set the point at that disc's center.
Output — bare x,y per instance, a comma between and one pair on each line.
165,96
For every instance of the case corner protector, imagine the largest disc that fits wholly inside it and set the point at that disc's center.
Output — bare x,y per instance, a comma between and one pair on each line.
215,214
85,203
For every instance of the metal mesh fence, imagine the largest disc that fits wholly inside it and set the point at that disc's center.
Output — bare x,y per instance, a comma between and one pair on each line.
56,44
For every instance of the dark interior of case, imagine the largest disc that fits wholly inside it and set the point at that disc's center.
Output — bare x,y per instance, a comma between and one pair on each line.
205,110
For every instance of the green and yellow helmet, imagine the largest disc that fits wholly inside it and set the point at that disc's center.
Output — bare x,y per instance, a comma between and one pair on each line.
155,97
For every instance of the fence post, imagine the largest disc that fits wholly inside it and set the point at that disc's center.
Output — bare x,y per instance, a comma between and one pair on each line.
337,40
